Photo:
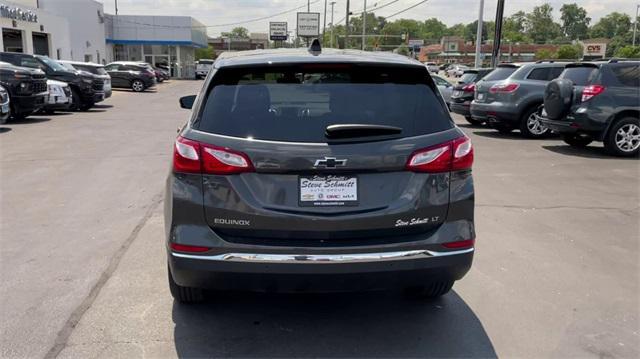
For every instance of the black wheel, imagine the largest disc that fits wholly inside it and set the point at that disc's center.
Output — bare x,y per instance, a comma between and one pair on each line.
575,140
137,85
77,104
623,138
85,106
433,290
473,121
531,126
184,294
5,117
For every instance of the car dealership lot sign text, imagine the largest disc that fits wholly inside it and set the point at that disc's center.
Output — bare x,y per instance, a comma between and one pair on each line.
278,31
16,13
308,24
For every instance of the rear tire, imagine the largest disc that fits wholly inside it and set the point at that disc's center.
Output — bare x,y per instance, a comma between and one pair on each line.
6,117
575,140
473,121
530,125
137,85
184,294
77,103
433,290
623,138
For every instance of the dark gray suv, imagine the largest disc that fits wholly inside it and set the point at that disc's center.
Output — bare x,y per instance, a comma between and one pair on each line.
318,171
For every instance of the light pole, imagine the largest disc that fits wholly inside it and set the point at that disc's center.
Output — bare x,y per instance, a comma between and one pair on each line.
478,62
332,4
346,28
324,25
635,25
364,25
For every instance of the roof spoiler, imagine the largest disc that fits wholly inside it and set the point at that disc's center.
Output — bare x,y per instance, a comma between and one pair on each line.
315,49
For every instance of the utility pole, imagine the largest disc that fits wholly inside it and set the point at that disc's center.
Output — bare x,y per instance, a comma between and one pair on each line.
324,25
364,25
346,28
496,40
116,7
332,25
635,26
478,62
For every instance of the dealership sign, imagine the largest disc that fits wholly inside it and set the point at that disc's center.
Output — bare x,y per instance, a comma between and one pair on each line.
308,24
16,13
278,31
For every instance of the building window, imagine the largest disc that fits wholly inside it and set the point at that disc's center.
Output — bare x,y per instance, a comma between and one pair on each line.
88,58
12,40
40,43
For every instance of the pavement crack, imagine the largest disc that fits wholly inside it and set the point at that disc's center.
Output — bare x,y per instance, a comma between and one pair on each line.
74,318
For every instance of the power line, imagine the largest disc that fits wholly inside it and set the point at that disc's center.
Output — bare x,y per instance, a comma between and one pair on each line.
407,9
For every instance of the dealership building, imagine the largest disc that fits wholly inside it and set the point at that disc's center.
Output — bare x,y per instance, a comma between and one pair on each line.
79,30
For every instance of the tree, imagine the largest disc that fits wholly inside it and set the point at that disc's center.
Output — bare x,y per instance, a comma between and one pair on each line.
205,53
457,30
544,54
614,24
237,32
403,50
540,25
575,22
434,29
572,52
628,52
513,28
472,28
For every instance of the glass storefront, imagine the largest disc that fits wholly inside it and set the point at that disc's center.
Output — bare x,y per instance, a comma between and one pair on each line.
179,59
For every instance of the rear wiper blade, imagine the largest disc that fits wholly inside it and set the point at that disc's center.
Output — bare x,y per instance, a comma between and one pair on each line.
360,130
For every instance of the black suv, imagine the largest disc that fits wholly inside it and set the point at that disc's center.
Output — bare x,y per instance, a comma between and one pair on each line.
318,171
137,76
463,93
27,89
596,101
86,88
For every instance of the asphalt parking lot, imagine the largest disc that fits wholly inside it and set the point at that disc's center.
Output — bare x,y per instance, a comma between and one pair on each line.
556,271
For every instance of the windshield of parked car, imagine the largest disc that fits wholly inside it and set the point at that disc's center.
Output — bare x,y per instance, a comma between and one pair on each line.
297,104
96,70
53,64
580,76
500,73
67,66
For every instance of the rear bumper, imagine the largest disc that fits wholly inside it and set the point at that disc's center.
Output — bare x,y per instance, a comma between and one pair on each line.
340,272
461,108
495,113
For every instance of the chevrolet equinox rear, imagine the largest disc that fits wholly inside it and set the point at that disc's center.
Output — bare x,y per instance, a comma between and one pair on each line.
308,171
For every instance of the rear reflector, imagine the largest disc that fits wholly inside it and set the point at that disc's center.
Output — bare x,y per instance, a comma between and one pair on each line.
452,155
591,91
467,243
188,248
195,157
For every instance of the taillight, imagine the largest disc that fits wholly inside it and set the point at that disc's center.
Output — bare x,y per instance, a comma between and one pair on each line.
195,157
504,88
452,155
188,248
467,243
591,91
469,88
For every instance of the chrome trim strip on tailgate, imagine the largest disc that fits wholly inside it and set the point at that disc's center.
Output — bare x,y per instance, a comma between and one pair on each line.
322,258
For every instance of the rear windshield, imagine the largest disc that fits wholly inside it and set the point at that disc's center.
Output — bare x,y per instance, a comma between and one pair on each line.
205,62
97,70
297,103
500,73
468,77
581,75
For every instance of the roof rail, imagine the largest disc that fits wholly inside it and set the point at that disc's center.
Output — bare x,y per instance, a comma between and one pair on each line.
542,61
614,60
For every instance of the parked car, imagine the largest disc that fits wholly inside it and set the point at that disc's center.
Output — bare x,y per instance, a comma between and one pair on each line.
161,74
133,75
512,103
456,70
432,67
95,69
597,101
463,93
374,191
202,67
59,97
86,89
5,105
27,88
445,87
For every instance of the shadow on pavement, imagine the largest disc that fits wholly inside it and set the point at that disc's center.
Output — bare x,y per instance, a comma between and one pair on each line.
28,120
585,152
375,324
102,106
4,129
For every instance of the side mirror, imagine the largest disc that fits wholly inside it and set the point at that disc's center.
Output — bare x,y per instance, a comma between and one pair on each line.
186,102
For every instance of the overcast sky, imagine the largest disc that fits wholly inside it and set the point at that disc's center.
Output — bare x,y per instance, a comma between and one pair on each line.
220,12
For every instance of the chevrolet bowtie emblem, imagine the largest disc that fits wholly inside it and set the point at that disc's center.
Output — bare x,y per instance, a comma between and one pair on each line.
330,162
